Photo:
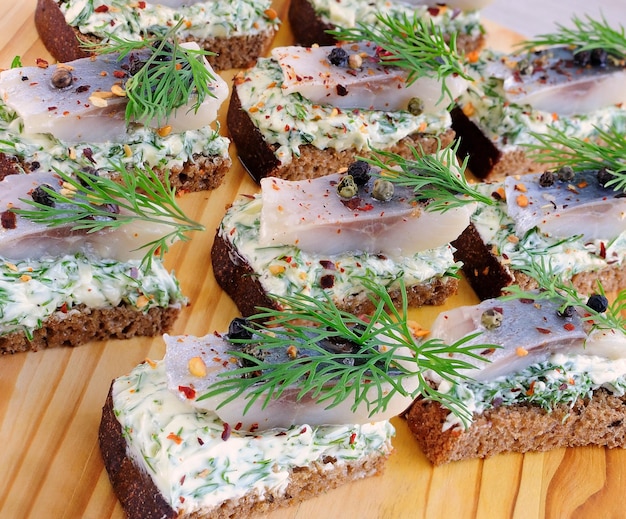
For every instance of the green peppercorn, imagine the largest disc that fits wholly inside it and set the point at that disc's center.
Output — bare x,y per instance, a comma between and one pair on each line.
382,190
491,318
416,106
347,188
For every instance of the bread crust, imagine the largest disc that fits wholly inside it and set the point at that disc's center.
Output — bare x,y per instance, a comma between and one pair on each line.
237,278
600,420
83,324
64,41
488,274
141,499
258,158
309,29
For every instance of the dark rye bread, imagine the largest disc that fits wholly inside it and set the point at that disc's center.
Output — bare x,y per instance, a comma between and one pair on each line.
260,161
141,499
83,324
64,42
600,420
237,278
485,160
309,29
488,273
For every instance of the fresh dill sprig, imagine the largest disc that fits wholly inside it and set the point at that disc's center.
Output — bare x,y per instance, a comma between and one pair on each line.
380,358
606,150
552,286
412,43
587,34
139,194
168,76
435,178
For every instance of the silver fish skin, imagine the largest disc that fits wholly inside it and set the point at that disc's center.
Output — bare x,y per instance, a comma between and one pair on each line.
530,331
581,206
77,113
280,412
312,216
371,86
550,80
25,239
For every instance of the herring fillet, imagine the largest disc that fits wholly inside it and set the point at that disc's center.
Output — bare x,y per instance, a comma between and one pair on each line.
29,240
372,86
79,113
581,206
553,83
310,215
279,412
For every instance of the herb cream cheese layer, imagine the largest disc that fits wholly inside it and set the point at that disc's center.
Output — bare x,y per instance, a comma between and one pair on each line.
133,20
287,270
562,379
566,256
290,121
509,125
143,147
195,465
348,12
34,290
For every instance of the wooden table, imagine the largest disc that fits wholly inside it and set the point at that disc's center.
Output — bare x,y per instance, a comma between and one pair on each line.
50,402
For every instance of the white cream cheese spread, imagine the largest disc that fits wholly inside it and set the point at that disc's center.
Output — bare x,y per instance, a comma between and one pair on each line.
290,121
132,20
34,290
198,461
286,270
509,125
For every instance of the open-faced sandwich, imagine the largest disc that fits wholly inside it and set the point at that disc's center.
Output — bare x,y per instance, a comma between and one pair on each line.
305,112
266,415
81,258
235,31
571,81
311,20
146,104
571,218
554,377
321,236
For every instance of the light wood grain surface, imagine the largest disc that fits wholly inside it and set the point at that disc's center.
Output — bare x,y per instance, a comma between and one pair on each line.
50,402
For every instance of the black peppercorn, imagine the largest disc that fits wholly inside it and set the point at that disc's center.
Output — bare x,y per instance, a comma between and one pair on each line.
61,78
565,174
568,311
598,303
360,172
582,58
604,175
237,329
338,57
41,196
547,179
599,57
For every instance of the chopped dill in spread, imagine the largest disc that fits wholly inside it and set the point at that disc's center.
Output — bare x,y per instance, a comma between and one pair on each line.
287,270
143,147
33,290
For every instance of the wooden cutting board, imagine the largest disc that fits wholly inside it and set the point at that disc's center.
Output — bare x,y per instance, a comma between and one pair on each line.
50,401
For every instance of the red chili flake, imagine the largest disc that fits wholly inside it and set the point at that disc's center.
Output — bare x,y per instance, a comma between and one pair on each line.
63,308
282,433
200,441
526,300
181,499
175,438
226,432
119,74
602,250
41,63
433,11
531,389
141,4
182,479
352,438
254,427
563,386
189,392
569,327
327,281
342,90
544,330
327,264
88,154
52,108
101,9
238,426
366,207
8,220
82,88
303,430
